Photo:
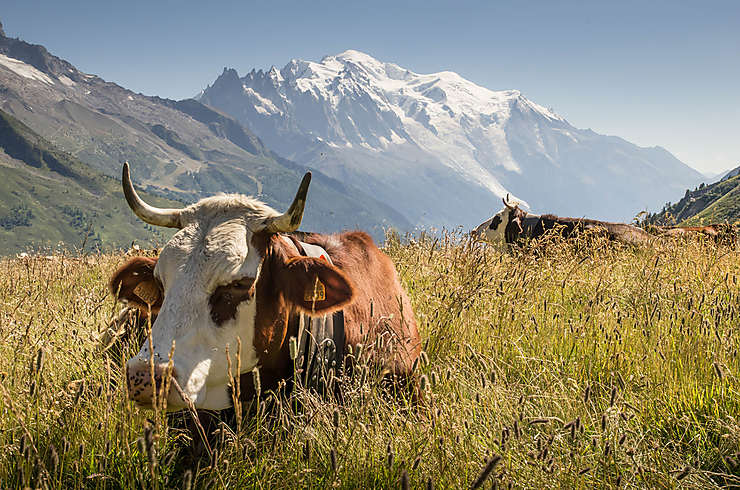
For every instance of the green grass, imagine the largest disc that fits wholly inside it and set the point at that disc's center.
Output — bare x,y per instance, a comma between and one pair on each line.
640,346
714,203
48,197
723,209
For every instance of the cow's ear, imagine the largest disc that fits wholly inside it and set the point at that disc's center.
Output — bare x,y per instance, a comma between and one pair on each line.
315,286
134,283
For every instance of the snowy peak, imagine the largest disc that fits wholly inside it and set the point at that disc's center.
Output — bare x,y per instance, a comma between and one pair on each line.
37,60
412,137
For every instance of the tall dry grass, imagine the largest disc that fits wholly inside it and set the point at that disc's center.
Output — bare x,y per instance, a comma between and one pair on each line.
559,364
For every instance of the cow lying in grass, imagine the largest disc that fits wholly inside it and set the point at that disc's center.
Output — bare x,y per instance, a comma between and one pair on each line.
513,223
234,275
717,232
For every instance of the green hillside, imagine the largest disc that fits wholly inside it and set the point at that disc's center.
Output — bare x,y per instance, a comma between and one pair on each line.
714,203
47,197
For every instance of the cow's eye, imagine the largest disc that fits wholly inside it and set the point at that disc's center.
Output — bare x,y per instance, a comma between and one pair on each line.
225,299
244,283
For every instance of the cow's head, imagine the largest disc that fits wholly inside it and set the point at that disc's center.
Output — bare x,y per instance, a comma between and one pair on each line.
227,274
504,226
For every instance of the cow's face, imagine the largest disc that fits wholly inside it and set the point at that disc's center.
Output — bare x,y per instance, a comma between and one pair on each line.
224,278
492,230
504,226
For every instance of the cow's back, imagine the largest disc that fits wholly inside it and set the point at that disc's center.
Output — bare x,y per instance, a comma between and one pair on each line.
381,306
614,231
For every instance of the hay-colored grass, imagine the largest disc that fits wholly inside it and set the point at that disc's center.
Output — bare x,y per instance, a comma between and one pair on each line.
582,364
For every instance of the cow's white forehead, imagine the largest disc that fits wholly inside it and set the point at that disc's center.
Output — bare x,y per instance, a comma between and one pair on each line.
215,234
223,207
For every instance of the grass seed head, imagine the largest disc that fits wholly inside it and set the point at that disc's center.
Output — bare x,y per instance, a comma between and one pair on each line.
718,370
294,348
256,380
187,480
307,451
684,473
487,470
39,360
53,458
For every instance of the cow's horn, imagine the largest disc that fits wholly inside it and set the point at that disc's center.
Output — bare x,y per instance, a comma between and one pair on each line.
154,216
506,202
291,219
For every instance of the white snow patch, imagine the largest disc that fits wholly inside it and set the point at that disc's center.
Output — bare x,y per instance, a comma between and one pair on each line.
397,138
266,106
25,70
567,134
67,81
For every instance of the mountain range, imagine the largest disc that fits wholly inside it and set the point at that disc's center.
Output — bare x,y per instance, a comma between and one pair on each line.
388,148
179,150
439,148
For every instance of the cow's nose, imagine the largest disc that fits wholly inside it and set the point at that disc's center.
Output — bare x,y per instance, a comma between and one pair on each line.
139,380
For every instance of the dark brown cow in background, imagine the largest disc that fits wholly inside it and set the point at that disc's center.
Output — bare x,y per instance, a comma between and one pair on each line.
717,232
513,223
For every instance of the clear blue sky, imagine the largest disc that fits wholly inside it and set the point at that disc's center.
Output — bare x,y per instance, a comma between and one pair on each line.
654,72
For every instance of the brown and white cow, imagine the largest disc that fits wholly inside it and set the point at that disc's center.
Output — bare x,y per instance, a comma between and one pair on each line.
232,272
512,223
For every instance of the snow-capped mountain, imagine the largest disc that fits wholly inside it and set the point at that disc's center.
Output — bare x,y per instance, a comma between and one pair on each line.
182,150
441,149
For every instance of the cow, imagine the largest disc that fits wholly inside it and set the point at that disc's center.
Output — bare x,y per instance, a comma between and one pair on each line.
717,232
513,223
235,274
507,225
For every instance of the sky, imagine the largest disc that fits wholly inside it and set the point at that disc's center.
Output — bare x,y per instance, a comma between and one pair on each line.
657,73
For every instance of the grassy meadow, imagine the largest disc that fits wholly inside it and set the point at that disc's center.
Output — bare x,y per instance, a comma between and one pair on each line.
556,365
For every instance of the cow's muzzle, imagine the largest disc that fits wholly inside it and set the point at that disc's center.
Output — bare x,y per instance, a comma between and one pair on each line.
140,385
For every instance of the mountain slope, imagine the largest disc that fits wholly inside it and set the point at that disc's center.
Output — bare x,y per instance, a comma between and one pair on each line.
714,203
47,196
178,149
732,173
440,148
